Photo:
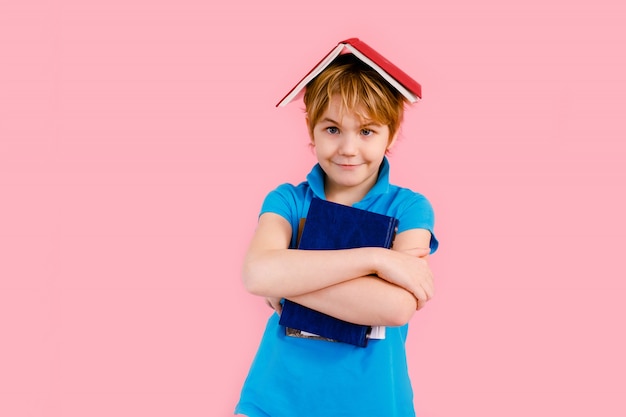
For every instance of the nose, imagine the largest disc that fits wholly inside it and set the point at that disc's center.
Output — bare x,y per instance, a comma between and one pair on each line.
348,145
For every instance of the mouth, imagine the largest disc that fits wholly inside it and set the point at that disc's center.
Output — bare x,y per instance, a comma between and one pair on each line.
346,165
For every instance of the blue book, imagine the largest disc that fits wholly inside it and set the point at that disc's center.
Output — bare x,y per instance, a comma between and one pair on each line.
330,225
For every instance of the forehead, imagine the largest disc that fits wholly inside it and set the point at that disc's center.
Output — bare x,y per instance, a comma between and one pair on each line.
337,110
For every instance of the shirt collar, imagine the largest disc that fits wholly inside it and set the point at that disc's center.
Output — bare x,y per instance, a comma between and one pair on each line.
315,179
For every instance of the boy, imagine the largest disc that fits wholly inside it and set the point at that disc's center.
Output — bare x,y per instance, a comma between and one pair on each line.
353,116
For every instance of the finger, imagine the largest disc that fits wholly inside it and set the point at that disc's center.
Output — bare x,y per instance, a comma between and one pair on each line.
275,304
428,283
425,291
429,289
420,294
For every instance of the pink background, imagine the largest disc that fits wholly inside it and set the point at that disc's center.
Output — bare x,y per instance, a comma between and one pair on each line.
138,138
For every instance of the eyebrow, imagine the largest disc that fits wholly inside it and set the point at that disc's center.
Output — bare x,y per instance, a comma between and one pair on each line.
370,123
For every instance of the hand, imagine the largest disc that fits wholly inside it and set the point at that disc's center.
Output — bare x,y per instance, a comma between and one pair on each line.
420,304
408,268
420,253
274,303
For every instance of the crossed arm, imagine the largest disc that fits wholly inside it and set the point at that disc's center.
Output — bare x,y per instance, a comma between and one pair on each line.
372,286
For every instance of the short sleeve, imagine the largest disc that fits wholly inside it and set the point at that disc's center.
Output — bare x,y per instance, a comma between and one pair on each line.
280,201
417,213
286,201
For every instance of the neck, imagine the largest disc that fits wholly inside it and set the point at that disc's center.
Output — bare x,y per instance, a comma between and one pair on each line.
345,196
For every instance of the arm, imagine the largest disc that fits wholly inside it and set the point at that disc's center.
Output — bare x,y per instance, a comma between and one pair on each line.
371,300
270,269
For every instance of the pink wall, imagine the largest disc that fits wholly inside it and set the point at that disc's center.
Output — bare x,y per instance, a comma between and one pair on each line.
137,140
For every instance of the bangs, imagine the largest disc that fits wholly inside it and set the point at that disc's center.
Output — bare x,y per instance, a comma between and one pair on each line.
362,90
360,96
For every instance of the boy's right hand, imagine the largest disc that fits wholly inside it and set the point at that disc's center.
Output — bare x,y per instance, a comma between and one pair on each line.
408,268
420,253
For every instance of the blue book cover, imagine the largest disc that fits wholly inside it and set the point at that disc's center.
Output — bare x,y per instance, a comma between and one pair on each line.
330,225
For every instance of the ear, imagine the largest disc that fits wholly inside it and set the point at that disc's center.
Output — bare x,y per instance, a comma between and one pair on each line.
308,129
392,141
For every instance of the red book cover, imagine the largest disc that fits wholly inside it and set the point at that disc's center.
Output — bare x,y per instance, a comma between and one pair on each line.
399,75
410,88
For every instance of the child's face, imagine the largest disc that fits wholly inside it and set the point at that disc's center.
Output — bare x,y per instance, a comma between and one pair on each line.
349,149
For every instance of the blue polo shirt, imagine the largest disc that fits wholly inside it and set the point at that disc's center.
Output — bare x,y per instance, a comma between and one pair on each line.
313,378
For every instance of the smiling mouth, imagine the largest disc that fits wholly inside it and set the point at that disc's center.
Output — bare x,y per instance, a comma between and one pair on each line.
346,165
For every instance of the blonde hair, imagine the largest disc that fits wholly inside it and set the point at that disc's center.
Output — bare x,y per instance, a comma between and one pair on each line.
362,91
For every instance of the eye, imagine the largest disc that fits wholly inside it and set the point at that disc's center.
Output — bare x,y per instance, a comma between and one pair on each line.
367,132
332,130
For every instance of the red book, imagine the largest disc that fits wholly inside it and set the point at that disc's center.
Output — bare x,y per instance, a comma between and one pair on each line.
406,85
